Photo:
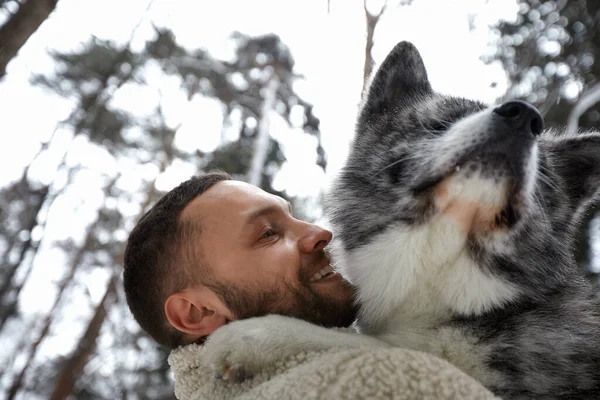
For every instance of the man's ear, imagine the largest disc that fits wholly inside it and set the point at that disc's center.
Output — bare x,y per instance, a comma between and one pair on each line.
196,311
576,159
400,79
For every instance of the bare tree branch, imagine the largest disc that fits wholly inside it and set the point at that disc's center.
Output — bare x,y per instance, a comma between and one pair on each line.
586,101
372,20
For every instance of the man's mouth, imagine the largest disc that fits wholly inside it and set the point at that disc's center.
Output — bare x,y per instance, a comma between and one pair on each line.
323,273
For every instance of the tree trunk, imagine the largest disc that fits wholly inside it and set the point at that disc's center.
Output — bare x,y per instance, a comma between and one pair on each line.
261,145
372,20
19,28
73,367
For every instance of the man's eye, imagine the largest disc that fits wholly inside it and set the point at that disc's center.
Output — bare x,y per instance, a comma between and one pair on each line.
267,234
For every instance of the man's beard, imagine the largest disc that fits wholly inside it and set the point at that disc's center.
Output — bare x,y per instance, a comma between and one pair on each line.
298,301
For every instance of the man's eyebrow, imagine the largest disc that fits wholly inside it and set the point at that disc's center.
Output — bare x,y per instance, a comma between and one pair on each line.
272,209
254,215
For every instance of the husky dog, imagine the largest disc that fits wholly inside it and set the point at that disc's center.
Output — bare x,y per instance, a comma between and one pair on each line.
455,222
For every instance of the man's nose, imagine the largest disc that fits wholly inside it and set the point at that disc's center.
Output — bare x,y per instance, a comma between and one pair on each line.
314,239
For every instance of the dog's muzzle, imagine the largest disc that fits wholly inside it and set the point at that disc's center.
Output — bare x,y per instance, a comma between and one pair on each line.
487,189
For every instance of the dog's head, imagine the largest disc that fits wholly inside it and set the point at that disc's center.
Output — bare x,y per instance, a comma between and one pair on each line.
511,192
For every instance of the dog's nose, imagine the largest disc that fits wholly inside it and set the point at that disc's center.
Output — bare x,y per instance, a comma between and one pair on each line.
521,115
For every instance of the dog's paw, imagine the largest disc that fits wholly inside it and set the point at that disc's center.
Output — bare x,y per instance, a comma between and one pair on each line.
241,349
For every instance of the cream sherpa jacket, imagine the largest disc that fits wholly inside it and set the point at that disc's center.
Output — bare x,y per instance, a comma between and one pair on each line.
357,374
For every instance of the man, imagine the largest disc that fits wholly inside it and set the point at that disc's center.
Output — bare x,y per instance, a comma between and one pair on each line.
213,251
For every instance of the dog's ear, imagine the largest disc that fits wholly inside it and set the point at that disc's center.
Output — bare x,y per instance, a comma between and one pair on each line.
577,160
401,78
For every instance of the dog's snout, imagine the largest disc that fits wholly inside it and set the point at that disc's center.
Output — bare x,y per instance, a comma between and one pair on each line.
521,115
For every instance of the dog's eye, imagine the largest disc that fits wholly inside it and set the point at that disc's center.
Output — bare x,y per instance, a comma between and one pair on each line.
396,170
438,126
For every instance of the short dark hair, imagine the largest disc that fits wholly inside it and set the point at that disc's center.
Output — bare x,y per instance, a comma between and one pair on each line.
158,255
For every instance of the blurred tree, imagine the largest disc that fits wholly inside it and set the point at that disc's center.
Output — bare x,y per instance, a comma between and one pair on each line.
373,11
30,353
242,86
552,57
372,19
23,201
21,24
255,86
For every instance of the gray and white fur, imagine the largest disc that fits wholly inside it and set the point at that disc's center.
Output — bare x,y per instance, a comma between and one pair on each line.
455,221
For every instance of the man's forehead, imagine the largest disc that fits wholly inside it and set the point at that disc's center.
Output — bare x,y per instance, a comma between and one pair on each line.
227,197
235,192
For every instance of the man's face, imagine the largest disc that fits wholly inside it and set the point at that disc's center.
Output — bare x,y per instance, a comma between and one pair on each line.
262,260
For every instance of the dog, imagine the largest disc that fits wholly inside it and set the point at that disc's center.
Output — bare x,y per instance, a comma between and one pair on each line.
455,220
